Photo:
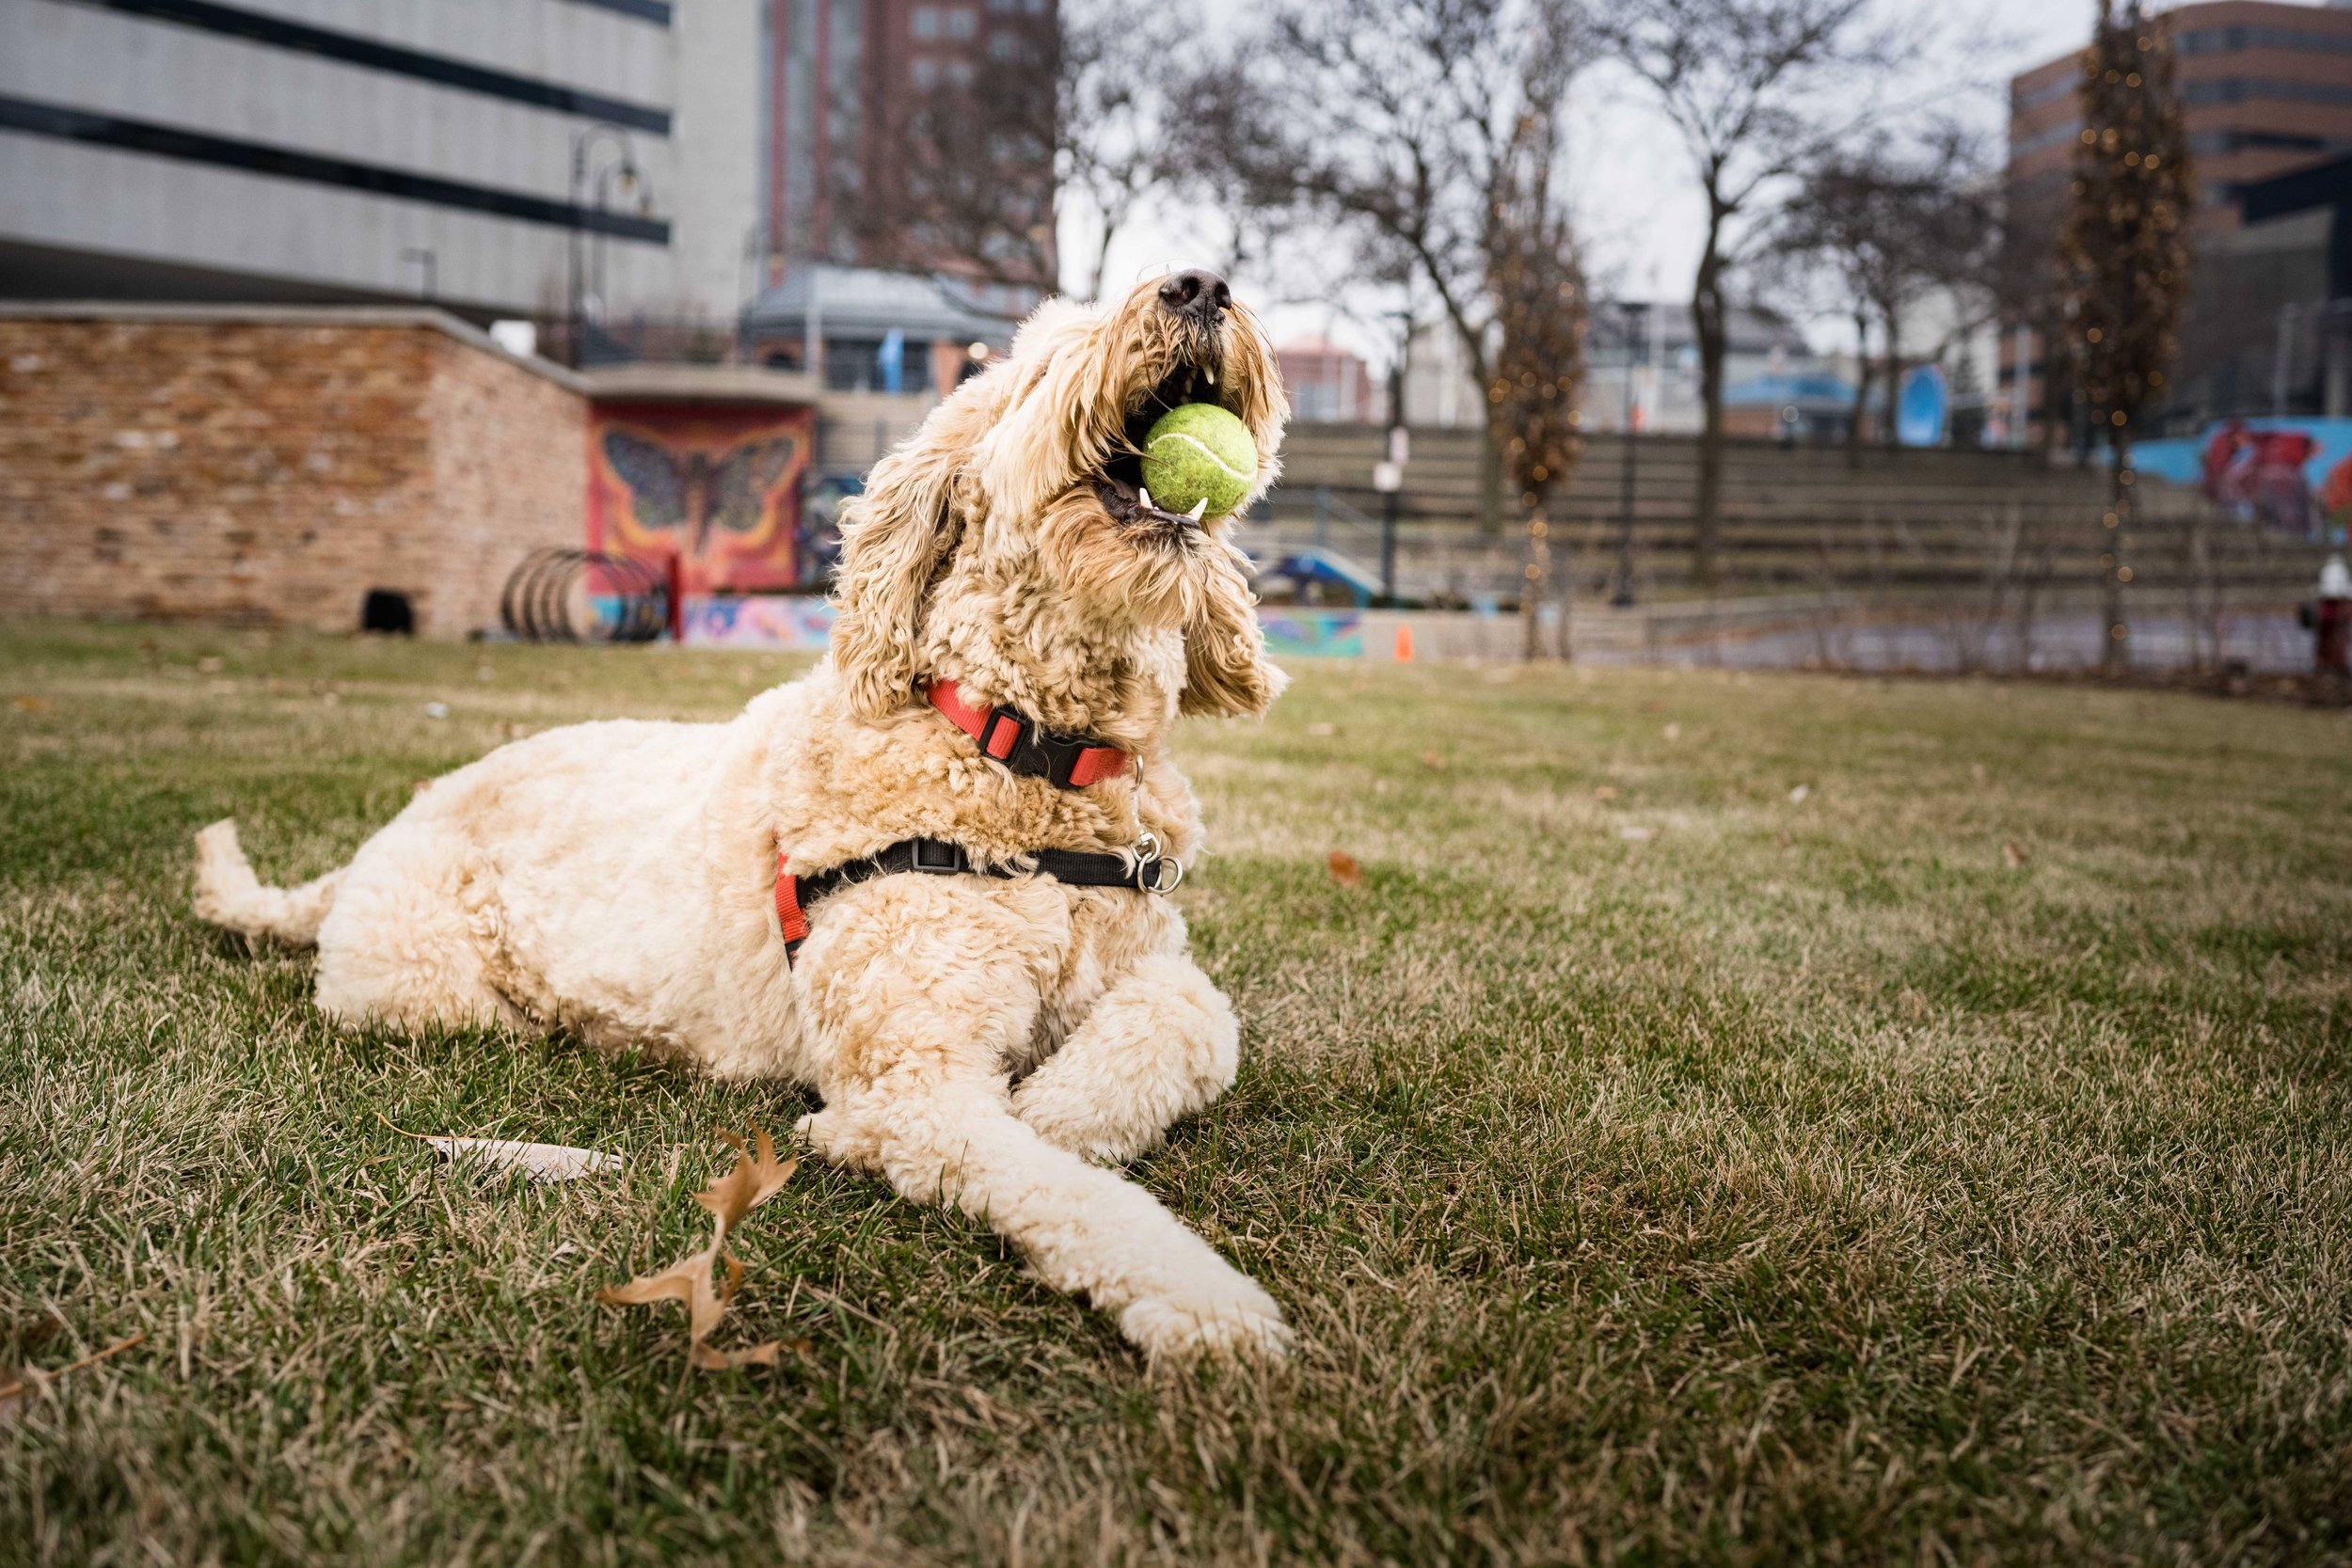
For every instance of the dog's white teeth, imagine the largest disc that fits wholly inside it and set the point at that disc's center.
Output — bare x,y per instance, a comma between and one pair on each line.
1198,507
1144,495
1210,374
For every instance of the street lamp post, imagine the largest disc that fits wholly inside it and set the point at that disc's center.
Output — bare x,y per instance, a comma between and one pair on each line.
625,163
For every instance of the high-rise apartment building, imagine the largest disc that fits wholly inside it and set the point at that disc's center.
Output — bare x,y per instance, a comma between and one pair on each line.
2265,88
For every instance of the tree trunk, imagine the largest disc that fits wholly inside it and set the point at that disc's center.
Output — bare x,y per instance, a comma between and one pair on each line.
1861,388
1707,324
1534,585
1890,438
1490,474
2116,654
2055,392
1101,255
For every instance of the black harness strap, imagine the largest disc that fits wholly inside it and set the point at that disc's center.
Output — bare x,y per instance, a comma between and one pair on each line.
1147,873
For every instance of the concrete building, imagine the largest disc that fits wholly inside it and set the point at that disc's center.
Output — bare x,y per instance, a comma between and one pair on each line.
495,158
1327,384
900,333
1657,351
2266,88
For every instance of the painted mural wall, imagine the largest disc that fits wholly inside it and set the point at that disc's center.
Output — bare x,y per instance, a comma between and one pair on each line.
2291,476
716,485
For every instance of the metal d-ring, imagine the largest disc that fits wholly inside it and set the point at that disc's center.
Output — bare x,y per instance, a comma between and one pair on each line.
1148,855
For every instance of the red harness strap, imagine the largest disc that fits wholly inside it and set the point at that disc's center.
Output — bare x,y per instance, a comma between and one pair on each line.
789,912
1023,745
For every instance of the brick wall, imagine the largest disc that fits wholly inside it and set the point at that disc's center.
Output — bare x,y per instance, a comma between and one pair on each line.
270,467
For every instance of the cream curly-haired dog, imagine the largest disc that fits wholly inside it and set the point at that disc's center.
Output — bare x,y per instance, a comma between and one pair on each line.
981,1037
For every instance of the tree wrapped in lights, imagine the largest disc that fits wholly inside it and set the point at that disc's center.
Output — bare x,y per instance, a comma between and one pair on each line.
1537,289
2125,257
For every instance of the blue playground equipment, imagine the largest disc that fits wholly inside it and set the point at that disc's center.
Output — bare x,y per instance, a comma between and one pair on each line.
1317,565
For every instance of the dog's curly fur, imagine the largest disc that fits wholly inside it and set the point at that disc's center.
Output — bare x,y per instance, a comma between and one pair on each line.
979,1042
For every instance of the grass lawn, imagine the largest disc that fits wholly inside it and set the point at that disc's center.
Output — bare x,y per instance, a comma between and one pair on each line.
1657,1164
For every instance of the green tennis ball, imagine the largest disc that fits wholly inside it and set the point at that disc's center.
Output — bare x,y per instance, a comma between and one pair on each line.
1198,452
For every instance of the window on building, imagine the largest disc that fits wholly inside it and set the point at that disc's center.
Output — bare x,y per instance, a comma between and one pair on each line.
962,21
2238,39
926,22
924,72
960,72
855,365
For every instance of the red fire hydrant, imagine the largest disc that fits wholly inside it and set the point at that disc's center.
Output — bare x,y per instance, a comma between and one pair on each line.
2331,620
2330,614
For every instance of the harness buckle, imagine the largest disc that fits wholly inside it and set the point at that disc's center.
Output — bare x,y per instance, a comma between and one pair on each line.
987,737
1155,872
936,857
1059,755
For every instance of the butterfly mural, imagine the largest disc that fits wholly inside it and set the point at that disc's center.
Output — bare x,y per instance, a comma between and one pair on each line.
682,495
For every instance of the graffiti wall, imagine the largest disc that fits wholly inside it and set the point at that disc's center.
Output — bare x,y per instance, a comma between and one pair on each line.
2292,476
718,485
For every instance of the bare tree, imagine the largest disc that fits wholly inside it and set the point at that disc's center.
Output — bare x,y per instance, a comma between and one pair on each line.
1393,122
1890,229
1113,145
1755,87
1073,102
2124,258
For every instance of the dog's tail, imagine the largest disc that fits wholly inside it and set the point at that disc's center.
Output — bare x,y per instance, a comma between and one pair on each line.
228,894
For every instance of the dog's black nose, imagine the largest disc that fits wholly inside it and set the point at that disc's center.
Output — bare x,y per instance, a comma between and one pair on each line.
1197,292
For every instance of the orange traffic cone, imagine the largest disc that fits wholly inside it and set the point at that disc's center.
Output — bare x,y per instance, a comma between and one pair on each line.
1405,641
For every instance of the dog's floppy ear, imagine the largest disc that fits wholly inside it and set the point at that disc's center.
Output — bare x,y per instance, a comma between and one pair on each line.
1063,418
1227,673
892,536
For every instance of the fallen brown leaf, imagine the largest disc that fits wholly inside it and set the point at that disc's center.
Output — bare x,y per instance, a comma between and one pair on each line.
1605,792
33,704
1433,759
2013,855
758,1176
692,1281
1344,870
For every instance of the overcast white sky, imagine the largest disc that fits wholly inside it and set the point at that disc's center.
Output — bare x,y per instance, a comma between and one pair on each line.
1639,209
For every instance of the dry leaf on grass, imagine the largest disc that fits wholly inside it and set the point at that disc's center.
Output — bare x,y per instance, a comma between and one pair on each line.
2013,855
540,1162
16,1386
690,1282
1433,759
33,704
1344,870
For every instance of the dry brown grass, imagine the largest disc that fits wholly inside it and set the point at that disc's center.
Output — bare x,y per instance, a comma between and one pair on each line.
1801,1182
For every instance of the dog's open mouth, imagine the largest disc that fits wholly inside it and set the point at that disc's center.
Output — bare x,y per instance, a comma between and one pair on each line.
1195,379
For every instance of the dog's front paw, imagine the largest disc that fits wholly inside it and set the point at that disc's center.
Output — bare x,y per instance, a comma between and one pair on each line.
840,1137
1237,1328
